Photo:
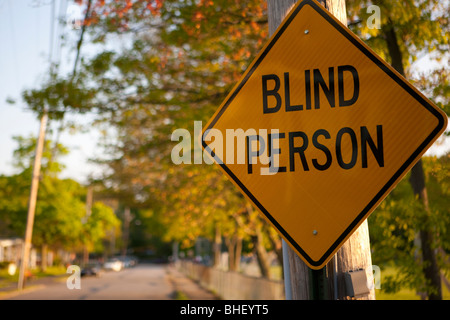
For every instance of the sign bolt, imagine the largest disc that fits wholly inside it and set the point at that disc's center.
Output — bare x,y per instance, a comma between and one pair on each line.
315,232
306,31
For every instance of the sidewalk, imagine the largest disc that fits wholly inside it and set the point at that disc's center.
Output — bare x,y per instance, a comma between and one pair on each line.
188,288
31,285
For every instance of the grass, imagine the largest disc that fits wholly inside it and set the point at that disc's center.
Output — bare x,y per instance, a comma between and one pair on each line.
50,271
179,295
404,293
6,280
276,273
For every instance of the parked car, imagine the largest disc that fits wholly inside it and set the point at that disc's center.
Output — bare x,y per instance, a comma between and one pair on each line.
91,269
128,261
113,264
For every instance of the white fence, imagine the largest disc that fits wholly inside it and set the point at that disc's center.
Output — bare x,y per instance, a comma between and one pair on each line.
232,285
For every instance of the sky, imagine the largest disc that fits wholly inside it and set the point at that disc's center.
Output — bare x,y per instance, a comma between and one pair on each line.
25,38
26,49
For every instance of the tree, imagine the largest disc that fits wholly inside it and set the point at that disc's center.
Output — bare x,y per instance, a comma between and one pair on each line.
96,227
61,205
394,228
178,75
408,29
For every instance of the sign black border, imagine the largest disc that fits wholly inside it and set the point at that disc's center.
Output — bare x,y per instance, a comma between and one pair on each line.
391,181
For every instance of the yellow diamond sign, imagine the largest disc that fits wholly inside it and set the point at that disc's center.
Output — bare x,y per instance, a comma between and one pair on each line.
318,131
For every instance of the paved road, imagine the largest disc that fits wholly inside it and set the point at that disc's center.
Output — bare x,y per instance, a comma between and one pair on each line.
144,282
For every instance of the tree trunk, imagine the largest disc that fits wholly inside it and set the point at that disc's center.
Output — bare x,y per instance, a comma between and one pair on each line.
261,254
234,245
44,254
275,241
417,181
85,255
238,254
355,253
217,246
126,229
231,244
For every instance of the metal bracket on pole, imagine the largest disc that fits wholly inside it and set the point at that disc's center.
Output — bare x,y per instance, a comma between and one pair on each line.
286,271
318,284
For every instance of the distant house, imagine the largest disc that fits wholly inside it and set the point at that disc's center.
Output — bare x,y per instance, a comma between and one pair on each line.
10,250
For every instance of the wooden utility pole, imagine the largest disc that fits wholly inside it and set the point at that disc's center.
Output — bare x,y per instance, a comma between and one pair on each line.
89,196
355,253
32,202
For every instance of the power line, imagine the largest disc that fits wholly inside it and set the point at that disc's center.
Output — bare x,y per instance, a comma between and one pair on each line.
13,40
62,10
80,41
52,31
